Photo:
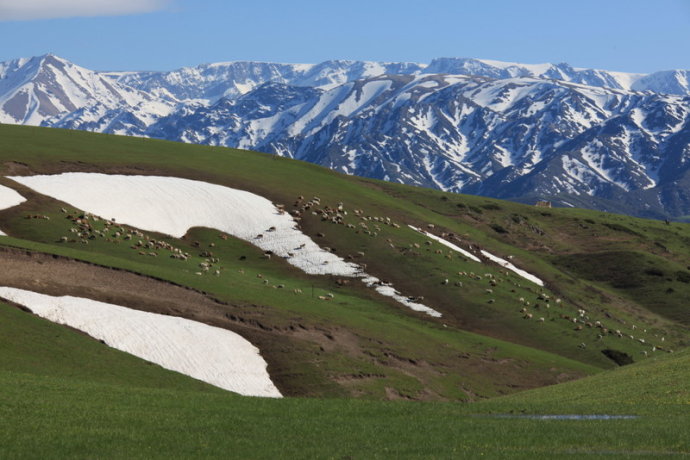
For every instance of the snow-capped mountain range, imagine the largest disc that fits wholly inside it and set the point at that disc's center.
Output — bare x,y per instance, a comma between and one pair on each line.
578,137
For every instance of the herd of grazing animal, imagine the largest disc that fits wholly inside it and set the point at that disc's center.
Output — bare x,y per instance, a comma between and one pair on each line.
87,227
540,310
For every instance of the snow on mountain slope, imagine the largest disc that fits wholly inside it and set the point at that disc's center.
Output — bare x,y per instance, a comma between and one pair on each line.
670,82
8,199
457,133
46,88
210,82
501,129
210,354
173,205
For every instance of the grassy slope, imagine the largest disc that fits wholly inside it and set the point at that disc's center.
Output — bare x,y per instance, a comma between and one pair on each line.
72,405
539,240
656,385
74,397
33,346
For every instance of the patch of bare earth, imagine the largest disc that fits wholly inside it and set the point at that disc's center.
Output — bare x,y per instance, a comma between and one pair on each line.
294,348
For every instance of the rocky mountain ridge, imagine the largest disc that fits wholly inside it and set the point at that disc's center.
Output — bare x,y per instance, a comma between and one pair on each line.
578,137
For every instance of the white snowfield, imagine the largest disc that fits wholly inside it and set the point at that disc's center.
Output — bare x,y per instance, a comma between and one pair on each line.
447,243
210,354
502,262
505,264
389,291
173,205
9,198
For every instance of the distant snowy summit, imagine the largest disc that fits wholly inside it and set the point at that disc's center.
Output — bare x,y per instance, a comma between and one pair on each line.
578,137
210,82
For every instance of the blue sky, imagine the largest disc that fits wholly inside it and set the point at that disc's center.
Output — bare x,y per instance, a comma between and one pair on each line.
625,35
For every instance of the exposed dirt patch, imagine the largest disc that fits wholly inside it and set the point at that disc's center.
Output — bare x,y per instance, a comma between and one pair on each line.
16,168
295,349
58,276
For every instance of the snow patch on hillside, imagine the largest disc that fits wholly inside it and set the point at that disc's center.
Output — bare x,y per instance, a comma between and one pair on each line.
502,262
447,243
8,199
505,264
388,290
172,205
210,354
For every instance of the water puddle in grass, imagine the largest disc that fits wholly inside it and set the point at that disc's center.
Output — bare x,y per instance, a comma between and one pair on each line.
566,416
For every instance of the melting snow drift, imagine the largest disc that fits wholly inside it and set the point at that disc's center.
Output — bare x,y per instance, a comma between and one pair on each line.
211,354
505,264
173,205
8,199
502,262
447,243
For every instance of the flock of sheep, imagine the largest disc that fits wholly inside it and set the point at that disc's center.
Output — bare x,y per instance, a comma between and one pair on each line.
85,229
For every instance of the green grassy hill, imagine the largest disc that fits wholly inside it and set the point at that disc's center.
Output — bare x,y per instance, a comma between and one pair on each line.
630,277
66,395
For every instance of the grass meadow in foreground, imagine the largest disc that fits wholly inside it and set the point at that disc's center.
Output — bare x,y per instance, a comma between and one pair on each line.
60,417
67,395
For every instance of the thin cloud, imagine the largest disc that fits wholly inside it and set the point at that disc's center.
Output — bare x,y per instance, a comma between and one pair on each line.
26,10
